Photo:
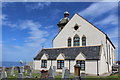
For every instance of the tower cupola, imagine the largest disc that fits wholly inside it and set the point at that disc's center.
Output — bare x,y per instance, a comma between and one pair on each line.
63,21
66,14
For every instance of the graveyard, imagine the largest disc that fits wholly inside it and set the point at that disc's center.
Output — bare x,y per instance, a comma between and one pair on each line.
26,72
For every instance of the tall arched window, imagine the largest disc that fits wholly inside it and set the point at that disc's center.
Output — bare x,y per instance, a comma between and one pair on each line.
69,42
83,41
76,40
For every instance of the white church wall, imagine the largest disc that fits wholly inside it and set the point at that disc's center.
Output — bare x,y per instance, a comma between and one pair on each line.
91,67
72,64
93,35
66,63
111,55
103,67
48,64
37,64
54,63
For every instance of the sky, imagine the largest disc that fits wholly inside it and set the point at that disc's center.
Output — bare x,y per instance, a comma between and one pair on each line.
29,26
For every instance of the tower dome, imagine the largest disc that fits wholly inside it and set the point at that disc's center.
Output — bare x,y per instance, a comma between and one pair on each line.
66,12
63,21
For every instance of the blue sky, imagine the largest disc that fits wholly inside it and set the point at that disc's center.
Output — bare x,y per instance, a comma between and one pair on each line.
26,27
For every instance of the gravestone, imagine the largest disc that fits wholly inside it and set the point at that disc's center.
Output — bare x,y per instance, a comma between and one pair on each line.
18,68
82,76
12,71
76,78
63,71
54,71
22,69
50,73
28,72
67,74
20,74
3,73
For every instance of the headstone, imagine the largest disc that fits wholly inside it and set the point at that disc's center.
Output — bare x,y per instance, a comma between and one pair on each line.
3,73
12,71
82,76
67,74
20,75
63,71
50,72
18,68
76,78
28,72
54,71
22,69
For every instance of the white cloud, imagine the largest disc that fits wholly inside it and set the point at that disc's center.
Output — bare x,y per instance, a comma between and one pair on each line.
111,20
48,27
39,5
3,16
14,39
37,35
98,9
32,44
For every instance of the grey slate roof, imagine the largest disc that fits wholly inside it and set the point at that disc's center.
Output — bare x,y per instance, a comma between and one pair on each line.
90,52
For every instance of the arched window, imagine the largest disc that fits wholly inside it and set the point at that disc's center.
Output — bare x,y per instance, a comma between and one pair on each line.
83,41
76,40
69,42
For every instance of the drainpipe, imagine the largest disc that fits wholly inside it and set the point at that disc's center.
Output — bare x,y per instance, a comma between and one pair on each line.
69,64
97,68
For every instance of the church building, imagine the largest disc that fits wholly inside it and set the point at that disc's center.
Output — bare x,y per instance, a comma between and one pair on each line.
78,42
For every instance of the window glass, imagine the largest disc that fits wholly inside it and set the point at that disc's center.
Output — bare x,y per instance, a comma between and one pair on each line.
44,63
69,42
60,64
81,63
83,41
76,41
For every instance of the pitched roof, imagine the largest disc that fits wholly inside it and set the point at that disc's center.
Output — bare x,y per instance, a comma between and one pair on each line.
90,52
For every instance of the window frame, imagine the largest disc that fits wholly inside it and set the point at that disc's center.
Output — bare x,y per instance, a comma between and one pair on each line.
69,42
76,41
43,63
60,64
83,41
82,63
